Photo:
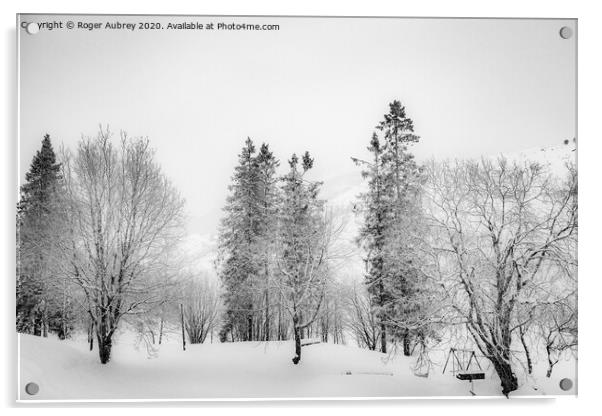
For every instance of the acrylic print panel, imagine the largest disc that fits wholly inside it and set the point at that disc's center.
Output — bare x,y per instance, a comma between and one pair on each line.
296,207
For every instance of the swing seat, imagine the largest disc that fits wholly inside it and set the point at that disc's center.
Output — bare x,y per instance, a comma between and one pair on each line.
470,376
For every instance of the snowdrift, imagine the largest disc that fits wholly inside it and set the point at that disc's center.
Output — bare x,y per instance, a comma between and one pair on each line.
67,370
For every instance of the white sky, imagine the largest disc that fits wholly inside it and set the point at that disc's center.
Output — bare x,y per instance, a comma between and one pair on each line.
472,87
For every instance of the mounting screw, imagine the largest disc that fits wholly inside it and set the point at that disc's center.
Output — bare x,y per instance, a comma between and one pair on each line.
566,32
32,28
566,384
32,388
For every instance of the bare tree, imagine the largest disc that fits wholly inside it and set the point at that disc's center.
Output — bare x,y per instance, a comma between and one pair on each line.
201,308
124,217
496,228
333,317
363,322
306,246
303,283
558,328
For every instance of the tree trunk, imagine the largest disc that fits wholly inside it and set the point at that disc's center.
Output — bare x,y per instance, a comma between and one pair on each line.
297,332
37,325
182,323
297,356
551,363
267,315
526,348
104,348
249,327
280,337
63,331
45,322
104,335
406,344
91,334
383,328
497,350
258,328
504,371
161,331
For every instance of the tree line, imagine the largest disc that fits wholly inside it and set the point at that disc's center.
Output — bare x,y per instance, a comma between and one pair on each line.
478,252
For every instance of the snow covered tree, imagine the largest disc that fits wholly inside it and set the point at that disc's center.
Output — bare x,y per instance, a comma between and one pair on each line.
557,326
378,217
391,207
304,238
333,316
268,209
499,232
201,308
124,218
404,278
161,316
43,296
363,322
246,242
237,237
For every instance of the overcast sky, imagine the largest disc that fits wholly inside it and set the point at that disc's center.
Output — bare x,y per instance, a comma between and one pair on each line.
472,87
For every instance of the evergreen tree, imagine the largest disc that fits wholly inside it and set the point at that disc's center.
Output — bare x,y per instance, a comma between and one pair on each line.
245,242
402,170
377,221
268,197
392,207
397,161
42,301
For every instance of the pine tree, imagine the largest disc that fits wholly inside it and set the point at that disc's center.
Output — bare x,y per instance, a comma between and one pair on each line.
236,244
245,242
399,163
42,303
373,234
391,209
268,197
403,172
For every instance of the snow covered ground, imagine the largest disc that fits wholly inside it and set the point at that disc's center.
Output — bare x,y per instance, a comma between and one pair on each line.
67,370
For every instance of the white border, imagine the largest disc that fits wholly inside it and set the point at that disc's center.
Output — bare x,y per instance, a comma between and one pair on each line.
590,69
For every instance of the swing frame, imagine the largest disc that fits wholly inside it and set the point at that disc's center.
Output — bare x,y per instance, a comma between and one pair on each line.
453,354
